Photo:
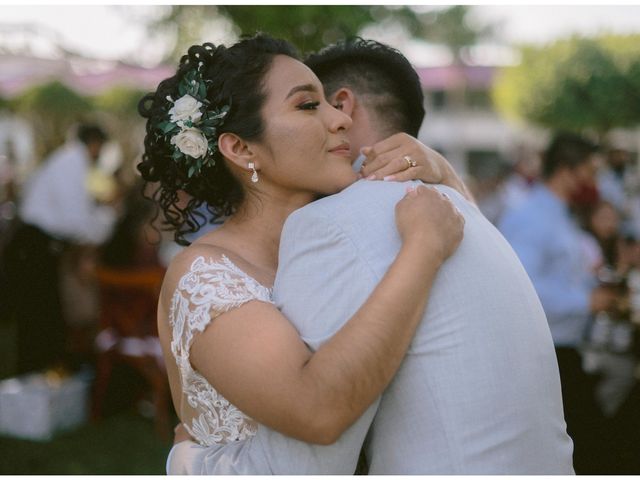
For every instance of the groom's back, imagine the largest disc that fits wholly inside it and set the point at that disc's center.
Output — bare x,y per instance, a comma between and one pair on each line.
479,391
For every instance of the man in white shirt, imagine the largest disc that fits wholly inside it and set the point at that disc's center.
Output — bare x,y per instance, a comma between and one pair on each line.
56,210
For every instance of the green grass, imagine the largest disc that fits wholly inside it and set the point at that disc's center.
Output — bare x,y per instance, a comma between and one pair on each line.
122,444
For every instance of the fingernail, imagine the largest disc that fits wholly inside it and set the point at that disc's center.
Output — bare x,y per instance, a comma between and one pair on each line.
365,150
409,189
371,177
359,176
389,178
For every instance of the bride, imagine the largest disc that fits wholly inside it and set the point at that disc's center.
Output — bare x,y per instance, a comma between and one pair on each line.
247,131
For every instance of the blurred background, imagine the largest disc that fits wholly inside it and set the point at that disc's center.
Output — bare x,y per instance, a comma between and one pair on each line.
498,82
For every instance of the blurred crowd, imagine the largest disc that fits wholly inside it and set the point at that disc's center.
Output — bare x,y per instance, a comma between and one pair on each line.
82,262
572,214
80,272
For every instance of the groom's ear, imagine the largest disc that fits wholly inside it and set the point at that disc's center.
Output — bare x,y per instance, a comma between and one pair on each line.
236,150
344,99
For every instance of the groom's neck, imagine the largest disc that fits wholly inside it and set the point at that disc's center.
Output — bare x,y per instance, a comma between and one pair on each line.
367,128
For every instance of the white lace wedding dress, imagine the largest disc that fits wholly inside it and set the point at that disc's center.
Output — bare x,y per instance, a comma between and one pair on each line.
207,290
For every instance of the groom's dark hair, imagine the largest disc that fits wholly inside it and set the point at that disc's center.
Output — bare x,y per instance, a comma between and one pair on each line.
378,72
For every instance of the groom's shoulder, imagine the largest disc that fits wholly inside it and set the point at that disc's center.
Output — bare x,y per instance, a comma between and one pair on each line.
360,196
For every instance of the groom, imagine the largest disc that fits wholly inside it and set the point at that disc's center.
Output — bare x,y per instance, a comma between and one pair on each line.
479,391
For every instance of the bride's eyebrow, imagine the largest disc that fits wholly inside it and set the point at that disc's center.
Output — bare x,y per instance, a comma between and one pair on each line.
309,87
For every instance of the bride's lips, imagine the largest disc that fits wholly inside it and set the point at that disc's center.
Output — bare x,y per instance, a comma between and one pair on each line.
344,149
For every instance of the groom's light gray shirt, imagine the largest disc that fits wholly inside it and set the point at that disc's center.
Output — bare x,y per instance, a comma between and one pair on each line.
479,390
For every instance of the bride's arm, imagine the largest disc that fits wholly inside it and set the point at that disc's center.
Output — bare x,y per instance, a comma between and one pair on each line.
254,357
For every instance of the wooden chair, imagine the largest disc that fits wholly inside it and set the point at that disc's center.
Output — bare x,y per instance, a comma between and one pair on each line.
128,333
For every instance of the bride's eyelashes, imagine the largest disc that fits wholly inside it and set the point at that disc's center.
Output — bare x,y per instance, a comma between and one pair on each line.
338,106
309,106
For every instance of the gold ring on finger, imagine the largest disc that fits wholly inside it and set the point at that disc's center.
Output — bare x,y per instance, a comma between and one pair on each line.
410,161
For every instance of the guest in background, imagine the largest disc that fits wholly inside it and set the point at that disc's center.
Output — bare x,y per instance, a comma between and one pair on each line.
619,184
525,174
609,351
600,237
549,242
57,211
614,176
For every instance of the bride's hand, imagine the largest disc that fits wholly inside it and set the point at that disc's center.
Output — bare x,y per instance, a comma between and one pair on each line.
428,221
402,157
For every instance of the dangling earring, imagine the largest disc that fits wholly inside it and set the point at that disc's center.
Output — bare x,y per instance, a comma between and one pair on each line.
254,176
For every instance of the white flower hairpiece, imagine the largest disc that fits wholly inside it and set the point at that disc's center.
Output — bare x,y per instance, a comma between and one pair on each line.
191,126
186,108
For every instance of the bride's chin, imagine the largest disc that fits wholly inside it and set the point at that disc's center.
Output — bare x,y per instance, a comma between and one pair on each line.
352,177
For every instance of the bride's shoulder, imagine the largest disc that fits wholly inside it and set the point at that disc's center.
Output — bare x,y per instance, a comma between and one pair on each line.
193,261
203,252
203,277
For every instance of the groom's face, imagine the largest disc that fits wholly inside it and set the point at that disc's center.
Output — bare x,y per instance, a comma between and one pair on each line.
363,131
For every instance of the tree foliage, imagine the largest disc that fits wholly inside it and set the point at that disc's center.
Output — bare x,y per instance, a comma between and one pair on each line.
450,27
576,84
309,27
52,109
53,98
119,106
4,104
119,100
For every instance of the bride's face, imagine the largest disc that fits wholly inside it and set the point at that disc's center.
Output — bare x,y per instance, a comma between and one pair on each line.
304,147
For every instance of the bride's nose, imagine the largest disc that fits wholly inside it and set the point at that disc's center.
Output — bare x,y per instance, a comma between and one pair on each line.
338,120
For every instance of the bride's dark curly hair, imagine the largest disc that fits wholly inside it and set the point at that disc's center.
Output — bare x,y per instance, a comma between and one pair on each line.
234,78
